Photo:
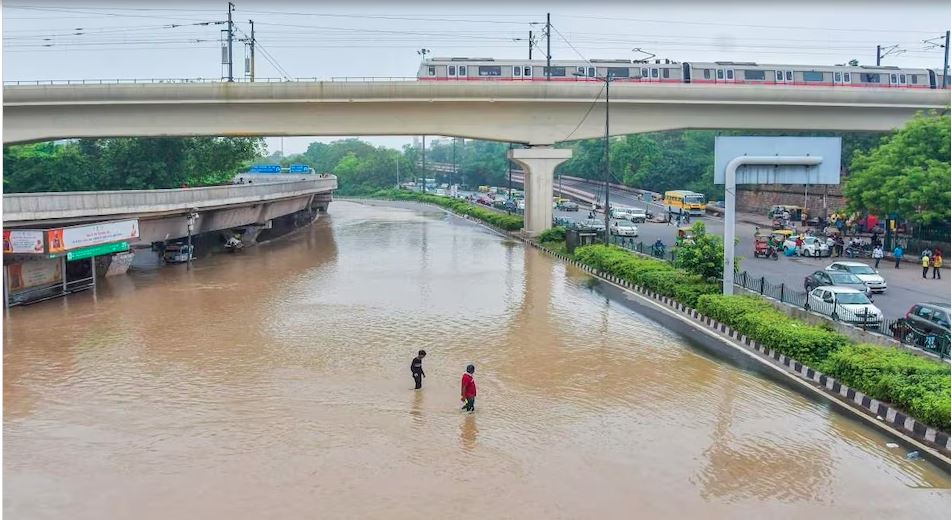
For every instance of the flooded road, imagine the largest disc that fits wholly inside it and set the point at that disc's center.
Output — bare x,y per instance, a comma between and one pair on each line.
275,384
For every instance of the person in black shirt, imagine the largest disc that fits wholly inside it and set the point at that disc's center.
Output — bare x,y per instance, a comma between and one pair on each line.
416,367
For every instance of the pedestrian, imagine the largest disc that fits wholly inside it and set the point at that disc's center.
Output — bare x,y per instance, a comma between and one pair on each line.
936,262
925,264
799,243
416,368
898,252
830,243
668,217
878,253
469,389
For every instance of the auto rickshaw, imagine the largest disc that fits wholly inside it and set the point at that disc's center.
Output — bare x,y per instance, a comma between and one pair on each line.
763,248
781,235
685,236
776,213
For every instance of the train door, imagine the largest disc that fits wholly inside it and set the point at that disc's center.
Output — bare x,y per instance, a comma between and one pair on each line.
784,77
837,78
686,73
655,74
462,71
645,74
902,80
725,76
932,79
527,72
452,71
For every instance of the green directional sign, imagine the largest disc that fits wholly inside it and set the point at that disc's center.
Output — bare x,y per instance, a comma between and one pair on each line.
101,249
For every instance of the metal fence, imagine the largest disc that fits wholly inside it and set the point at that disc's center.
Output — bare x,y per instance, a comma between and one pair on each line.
899,329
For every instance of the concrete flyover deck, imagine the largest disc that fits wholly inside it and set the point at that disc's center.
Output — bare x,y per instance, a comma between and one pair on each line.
535,113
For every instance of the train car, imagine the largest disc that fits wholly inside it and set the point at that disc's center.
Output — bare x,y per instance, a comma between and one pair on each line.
666,71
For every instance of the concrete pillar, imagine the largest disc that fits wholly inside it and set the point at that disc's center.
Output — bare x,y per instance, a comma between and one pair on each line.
539,164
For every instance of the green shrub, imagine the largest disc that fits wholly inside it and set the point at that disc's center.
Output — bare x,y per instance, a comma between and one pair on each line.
555,234
501,220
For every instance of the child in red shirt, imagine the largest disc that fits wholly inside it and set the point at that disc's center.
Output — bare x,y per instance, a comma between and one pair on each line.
469,389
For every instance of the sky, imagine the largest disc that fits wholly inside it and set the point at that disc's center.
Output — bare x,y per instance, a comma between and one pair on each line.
90,39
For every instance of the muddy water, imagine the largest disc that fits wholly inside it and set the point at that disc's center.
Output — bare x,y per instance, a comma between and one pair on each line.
275,384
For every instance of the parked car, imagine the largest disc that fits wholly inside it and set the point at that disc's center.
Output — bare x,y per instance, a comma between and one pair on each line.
811,246
623,228
870,276
845,304
836,278
567,205
621,213
521,205
638,215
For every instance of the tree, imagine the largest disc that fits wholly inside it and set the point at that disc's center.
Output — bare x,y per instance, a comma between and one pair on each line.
909,174
703,254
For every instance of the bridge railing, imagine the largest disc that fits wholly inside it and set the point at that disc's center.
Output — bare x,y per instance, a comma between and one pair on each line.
44,206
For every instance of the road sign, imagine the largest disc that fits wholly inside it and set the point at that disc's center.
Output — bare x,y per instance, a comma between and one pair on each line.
102,249
299,168
266,168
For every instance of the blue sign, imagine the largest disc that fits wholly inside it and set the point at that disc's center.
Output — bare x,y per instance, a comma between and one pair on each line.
300,168
266,168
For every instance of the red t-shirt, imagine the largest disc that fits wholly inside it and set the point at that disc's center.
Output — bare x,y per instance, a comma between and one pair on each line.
468,386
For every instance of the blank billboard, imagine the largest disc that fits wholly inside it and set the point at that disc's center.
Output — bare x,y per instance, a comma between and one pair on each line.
827,172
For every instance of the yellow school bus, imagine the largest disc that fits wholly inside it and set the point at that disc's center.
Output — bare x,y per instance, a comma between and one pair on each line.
684,201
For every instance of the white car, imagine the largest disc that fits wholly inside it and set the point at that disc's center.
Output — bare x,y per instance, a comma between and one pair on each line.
872,279
621,213
811,246
638,215
520,204
623,228
845,304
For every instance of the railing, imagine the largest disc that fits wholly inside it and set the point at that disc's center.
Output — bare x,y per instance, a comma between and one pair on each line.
39,206
899,329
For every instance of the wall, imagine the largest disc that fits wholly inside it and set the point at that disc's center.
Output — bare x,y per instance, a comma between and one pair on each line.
760,198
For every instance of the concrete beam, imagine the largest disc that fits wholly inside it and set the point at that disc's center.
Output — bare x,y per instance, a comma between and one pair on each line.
526,112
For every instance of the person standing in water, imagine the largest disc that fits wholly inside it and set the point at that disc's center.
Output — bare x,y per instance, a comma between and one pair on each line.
469,389
416,367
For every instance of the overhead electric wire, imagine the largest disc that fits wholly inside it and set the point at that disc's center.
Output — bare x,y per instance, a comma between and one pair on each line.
569,43
588,112
760,26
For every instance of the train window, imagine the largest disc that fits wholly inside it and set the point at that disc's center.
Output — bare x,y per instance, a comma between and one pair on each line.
528,71
779,75
838,77
788,75
581,71
706,73
619,72
643,73
847,77
517,71
452,70
755,75
432,71
870,78
665,73
729,73
913,78
462,70
902,79
555,71
719,73
894,78
491,70
654,73
814,76
591,72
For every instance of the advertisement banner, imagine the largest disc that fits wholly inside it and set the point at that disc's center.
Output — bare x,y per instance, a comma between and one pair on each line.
64,239
35,273
23,241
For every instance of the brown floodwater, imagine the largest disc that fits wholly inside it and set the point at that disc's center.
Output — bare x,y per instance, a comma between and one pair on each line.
274,383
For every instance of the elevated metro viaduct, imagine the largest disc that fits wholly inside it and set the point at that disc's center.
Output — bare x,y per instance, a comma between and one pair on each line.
537,114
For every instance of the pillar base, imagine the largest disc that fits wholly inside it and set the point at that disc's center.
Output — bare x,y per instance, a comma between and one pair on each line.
539,164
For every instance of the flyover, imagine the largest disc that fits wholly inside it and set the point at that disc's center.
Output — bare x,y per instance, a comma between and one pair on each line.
537,114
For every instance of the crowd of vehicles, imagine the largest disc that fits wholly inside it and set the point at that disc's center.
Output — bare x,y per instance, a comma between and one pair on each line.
667,71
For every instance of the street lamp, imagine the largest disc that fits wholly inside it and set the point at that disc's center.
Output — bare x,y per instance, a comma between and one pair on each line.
190,223
607,79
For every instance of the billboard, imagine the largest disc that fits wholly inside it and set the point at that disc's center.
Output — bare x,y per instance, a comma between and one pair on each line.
36,273
64,239
23,241
728,148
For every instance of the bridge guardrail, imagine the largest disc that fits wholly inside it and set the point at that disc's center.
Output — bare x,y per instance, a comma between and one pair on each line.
42,206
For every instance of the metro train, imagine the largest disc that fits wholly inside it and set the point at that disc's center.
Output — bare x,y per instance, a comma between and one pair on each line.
666,71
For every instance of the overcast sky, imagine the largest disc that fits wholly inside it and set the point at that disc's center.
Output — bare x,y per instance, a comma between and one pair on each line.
60,39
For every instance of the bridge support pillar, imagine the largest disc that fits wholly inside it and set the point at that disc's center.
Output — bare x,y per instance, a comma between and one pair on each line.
538,163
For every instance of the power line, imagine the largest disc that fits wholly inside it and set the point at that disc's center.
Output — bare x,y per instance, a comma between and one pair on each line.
585,117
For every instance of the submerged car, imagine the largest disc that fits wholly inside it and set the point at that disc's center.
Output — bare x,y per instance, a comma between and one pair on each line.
872,279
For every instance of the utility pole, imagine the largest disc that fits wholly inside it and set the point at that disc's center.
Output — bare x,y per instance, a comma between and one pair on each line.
607,159
530,45
230,44
424,164
397,171
252,49
878,55
510,173
947,41
548,40
454,139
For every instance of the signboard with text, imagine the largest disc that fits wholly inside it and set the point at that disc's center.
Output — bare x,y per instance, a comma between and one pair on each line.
23,241
266,168
102,249
65,239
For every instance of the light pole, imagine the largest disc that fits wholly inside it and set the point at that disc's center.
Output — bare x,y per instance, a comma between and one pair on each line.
397,171
607,79
190,221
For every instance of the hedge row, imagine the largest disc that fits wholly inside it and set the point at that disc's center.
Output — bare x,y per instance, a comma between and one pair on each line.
501,220
920,386
656,275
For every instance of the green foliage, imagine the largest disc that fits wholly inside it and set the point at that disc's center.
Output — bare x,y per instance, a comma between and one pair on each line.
703,255
555,234
761,322
918,385
126,163
500,220
909,174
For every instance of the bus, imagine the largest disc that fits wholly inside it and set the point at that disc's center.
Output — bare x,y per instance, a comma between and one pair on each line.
682,201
